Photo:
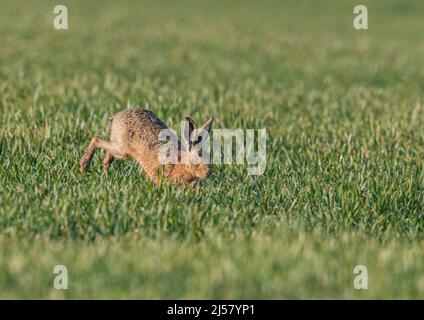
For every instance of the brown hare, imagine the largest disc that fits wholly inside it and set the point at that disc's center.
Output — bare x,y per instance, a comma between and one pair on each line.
135,133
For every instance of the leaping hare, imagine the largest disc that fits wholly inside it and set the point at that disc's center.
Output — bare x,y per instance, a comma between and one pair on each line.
135,133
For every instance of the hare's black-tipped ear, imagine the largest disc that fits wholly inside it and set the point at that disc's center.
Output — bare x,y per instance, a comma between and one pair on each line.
208,125
189,127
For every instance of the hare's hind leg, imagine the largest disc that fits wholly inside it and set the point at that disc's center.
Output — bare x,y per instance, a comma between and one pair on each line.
107,160
112,148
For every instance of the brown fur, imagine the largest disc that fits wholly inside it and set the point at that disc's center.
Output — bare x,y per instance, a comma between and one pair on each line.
134,133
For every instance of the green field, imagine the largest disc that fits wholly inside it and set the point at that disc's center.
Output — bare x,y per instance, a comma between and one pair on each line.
344,182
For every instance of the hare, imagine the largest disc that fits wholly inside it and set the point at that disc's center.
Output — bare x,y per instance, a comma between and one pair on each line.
135,133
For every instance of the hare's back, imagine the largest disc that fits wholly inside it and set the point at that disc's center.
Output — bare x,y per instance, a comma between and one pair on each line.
136,125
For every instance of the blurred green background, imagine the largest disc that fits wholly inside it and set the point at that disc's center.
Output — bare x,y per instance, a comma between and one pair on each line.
344,183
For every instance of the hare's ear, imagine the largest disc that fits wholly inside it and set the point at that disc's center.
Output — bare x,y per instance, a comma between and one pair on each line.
207,126
203,132
189,127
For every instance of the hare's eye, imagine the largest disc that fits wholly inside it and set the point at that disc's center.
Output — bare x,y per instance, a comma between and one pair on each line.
199,139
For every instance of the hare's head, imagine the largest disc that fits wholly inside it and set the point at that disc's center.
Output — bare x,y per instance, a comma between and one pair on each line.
198,163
